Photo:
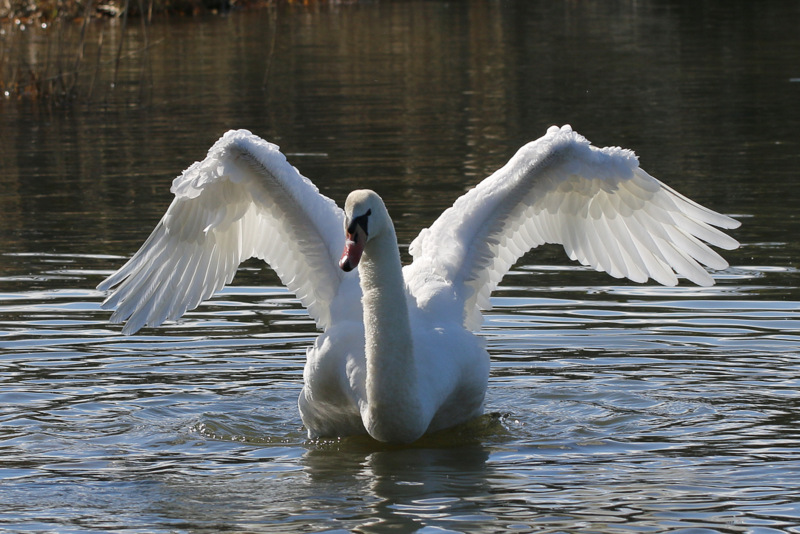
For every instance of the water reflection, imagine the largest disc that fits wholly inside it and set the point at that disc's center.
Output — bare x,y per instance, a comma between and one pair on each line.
403,488
423,110
195,425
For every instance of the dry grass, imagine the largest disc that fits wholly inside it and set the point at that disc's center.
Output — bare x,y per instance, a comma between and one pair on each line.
49,60
48,55
30,11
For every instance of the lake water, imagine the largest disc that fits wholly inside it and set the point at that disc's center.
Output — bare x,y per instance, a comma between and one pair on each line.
613,407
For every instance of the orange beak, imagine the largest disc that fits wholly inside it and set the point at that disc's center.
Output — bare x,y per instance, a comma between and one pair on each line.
353,249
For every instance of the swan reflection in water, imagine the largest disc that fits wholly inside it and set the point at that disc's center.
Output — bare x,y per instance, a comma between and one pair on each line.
402,488
398,356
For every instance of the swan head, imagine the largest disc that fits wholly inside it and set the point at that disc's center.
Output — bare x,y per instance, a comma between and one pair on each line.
364,219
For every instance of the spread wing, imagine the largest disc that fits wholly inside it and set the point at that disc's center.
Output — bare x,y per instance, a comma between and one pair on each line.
598,203
244,200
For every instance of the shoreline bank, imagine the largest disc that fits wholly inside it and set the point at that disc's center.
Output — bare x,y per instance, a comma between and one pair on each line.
72,53
50,11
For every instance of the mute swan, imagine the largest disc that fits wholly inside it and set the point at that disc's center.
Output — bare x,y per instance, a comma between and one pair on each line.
397,356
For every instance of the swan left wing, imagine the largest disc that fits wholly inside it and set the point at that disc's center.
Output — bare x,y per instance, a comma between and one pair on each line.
244,200
599,204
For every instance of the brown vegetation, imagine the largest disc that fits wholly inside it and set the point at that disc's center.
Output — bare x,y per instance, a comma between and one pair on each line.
47,53
31,11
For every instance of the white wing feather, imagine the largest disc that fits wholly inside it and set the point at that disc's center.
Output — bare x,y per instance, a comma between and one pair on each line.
243,200
606,211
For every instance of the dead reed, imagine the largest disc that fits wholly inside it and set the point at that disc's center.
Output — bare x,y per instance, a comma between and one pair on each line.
59,60
58,51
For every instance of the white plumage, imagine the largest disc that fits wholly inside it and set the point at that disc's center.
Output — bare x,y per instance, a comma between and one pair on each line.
397,379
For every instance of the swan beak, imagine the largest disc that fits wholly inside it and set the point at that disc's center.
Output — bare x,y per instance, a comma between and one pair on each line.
353,248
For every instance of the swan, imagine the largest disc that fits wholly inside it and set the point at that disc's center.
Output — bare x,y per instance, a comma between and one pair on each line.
398,355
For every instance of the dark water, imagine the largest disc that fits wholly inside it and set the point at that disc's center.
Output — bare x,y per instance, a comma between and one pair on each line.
618,407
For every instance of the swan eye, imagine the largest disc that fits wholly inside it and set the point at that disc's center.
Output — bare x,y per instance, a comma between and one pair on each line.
361,221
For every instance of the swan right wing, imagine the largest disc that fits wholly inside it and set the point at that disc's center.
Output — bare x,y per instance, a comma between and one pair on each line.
598,203
244,200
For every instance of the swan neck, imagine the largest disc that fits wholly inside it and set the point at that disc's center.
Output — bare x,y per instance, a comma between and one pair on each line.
393,408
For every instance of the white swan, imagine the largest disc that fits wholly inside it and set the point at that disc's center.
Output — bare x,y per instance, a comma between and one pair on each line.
397,356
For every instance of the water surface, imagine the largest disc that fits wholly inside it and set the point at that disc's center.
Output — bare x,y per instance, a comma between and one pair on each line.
612,407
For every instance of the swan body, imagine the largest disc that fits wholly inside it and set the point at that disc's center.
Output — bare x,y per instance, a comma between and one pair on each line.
398,355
